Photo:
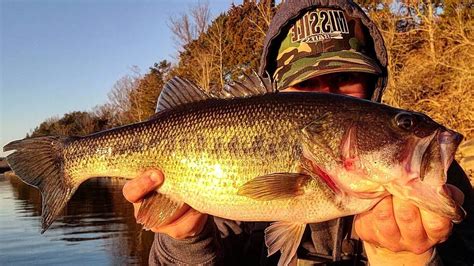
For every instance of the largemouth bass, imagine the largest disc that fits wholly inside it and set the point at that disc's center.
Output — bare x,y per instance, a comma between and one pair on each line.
254,154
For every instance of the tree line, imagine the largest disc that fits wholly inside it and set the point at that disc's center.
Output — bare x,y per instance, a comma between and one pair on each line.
210,53
429,43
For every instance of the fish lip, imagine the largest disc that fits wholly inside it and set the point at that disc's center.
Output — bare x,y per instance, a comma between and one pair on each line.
448,136
448,141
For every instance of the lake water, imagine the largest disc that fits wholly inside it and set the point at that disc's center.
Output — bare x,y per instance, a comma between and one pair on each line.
97,227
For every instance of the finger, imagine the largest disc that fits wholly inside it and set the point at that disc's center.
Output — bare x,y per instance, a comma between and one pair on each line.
364,227
438,228
378,227
189,224
387,232
135,189
409,222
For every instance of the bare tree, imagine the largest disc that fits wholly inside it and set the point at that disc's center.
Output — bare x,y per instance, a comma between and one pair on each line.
119,99
203,66
201,16
189,26
218,47
181,29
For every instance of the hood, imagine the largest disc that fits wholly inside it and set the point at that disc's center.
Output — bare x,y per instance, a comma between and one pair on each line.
291,10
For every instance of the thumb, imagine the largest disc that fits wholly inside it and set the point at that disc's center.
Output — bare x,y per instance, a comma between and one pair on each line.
135,189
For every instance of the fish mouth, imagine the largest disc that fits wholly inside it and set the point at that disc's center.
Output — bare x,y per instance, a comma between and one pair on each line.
449,141
436,160
440,147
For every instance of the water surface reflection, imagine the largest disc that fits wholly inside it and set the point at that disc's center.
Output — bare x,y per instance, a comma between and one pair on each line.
97,227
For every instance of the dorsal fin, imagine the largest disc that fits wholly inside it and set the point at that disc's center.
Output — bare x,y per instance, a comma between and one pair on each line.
180,91
250,85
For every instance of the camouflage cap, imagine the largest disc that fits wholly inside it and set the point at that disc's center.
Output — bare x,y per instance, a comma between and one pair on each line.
323,41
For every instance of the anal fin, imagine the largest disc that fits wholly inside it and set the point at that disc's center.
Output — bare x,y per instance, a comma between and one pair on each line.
285,237
156,208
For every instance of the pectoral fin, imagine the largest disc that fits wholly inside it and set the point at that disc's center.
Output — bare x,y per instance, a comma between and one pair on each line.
286,237
156,208
275,186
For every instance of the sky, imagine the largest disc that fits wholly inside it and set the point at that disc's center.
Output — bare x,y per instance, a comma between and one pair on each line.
59,56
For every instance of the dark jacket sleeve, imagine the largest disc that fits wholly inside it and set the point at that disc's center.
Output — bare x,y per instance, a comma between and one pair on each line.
459,248
222,242
203,249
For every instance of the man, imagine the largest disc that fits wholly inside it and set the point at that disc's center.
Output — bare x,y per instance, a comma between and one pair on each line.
326,46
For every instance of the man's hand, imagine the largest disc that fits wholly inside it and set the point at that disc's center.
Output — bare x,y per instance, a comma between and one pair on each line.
188,222
397,227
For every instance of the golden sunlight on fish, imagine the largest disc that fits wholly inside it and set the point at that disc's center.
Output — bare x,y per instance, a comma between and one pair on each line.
251,153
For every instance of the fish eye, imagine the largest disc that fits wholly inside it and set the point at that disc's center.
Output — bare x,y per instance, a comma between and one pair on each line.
405,121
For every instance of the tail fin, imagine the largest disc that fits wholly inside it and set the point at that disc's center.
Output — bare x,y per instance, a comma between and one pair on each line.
39,163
